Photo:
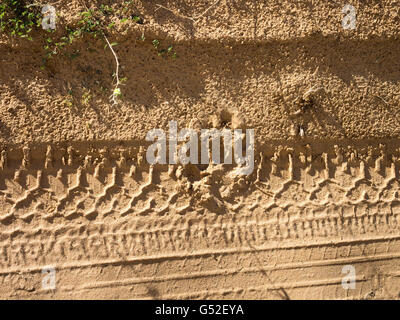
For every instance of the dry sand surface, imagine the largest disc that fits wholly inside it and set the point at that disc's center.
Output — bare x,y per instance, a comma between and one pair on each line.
77,194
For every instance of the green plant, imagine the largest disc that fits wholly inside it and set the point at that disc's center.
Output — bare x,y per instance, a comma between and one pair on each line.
156,43
89,23
137,19
164,52
94,22
86,97
18,18
68,102
106,9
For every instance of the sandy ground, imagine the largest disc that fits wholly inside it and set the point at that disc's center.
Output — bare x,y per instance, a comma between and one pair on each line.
77,194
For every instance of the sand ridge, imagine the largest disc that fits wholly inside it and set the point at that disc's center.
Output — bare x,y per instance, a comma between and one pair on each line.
79,208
